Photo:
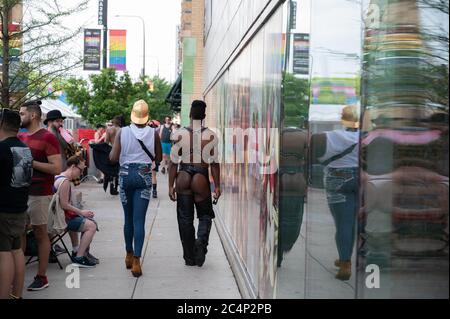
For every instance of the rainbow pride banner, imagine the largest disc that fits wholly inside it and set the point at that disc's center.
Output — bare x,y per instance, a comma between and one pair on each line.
118,49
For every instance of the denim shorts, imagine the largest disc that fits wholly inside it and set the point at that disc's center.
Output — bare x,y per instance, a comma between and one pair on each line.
166,148
76,224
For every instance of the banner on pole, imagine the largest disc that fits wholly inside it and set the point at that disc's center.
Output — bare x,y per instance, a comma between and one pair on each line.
117,49
301,53
92,49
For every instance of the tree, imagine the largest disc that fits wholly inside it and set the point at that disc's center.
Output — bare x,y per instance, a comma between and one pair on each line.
156,98
35,50
107,95
296,100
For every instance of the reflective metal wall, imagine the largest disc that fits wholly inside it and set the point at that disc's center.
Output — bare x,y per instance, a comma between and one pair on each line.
248,95
352,200
228,22
404,150
374,223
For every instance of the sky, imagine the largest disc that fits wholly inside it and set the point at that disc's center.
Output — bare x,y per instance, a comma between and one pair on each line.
336,27
161,19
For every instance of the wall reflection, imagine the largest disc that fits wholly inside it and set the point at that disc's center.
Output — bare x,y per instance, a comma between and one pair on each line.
358,174
248,96
381,199
404,216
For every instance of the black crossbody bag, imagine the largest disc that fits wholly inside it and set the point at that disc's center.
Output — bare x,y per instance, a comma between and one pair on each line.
146,150
340,155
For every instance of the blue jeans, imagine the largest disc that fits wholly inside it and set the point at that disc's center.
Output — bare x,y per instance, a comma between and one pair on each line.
342,186
135,182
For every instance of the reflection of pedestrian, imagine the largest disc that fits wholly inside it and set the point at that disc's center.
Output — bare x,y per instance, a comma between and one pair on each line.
339,155
292,188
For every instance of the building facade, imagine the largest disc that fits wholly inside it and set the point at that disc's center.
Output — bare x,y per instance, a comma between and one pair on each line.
15,52
283,72
191,54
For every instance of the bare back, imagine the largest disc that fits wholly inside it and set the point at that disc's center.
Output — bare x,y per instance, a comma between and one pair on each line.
195,148
111,133
188,149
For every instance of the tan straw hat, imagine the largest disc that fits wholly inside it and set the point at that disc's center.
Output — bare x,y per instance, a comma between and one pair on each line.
350,116
140,114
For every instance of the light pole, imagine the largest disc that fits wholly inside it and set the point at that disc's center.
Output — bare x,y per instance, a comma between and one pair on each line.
143,34
157,61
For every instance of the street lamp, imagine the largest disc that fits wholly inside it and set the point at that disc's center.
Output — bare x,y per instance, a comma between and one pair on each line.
143,33
157,61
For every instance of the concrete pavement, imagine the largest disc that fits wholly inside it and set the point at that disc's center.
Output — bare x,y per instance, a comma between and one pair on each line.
164,274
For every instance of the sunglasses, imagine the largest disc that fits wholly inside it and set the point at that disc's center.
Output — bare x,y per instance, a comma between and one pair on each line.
81,170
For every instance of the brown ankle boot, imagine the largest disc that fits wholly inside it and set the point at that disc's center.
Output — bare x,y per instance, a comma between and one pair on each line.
337,263
136,268
345,270
129,260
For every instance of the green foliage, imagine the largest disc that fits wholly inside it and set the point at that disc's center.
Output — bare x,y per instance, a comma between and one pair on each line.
107,95
296,100
159,109
40,51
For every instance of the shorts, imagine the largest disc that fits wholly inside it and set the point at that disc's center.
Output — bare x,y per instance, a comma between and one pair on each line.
166,148
12,228
76,224
38,210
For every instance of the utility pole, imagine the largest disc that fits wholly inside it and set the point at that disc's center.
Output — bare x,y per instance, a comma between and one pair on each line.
103,20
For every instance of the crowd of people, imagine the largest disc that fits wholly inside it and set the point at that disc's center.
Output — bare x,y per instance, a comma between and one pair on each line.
38,162
34,164
106,133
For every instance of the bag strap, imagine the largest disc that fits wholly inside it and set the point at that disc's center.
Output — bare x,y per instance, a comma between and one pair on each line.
340,155
146,150
59,186
191,136
191,130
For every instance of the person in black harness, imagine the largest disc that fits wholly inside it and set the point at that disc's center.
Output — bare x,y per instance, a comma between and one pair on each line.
189,183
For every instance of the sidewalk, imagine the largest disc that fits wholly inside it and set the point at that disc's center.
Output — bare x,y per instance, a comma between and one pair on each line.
164,274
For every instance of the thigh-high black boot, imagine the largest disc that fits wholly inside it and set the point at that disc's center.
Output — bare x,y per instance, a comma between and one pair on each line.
205,214
185,216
